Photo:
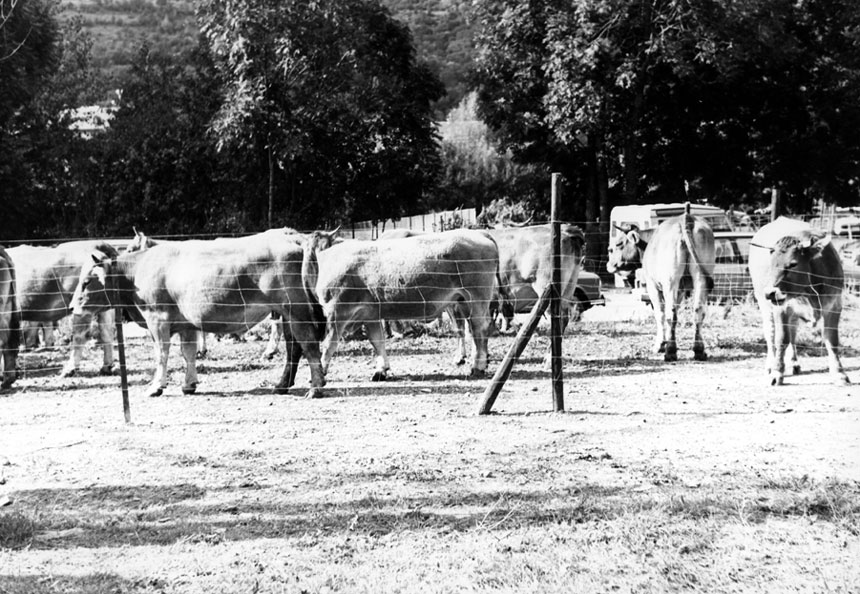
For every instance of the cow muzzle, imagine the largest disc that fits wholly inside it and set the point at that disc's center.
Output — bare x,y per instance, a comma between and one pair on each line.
775,295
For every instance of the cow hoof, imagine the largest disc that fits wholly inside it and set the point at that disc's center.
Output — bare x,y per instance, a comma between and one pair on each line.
795,370
156,393
660,348
477,372
68,372
7,384
776,379
379,376
202,354
670,357
189,389
460,361
106,370
842,380
269,355
315,393
700,356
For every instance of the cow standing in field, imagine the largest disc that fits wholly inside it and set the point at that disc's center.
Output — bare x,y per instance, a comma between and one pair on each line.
796,274
223,286
525,265
414,278
10,321
47,278
679,252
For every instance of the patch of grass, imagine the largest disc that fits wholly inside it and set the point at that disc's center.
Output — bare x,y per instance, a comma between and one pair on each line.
97,583
16,530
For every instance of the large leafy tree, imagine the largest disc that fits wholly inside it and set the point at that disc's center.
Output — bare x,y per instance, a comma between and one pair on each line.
330,94
28,57
664,100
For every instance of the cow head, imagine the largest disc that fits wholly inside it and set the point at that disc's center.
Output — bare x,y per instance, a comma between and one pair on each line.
95,292
792,260
626,255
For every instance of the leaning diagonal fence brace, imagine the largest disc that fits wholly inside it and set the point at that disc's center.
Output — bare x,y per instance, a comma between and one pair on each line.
507,364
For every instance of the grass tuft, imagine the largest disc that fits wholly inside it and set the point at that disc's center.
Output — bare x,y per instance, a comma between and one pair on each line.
16,530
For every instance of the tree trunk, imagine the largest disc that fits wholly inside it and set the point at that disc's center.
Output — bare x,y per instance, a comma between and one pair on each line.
271,187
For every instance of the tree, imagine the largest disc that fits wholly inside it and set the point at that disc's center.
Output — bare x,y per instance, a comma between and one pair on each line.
28,57
725,99
333,96
475,173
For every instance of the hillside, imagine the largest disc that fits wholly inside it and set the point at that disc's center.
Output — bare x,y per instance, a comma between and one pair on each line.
442,30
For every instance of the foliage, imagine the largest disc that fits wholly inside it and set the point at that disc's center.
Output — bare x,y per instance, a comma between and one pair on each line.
476,173
728,99
334,95
442,31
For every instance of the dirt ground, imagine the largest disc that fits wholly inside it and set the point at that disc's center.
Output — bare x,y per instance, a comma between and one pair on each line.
692,476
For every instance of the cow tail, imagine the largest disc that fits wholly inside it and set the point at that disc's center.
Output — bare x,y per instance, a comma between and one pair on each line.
687,232
310,273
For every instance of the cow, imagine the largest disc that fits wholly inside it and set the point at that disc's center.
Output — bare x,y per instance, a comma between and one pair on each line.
796,274
675,255
223,285
47,278
414,278
141,241
10,321
525,266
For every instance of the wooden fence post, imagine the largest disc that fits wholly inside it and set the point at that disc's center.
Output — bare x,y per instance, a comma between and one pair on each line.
123,373
555,302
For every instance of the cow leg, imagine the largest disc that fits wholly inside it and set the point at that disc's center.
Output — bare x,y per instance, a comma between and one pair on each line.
202,349
106,340
671,313
80,325
48,334
160,333
700,301
830,334
659,310
767,322
330,343
188,343
479,325
305,333
376,336
9,357
459,321
791,348
781,331
293,351
276,330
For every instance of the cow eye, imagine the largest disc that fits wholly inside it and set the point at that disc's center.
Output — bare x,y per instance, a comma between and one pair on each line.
792,264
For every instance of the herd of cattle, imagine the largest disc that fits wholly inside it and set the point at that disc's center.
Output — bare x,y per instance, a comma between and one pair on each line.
320,287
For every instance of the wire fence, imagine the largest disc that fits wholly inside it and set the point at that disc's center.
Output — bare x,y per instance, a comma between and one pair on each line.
735,283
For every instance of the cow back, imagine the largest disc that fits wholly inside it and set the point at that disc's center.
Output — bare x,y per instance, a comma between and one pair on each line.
48,276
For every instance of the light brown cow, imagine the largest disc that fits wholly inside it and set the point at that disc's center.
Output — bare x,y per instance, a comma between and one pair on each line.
10,321
415,278
678,253
525,265
223,285
47,279
796,274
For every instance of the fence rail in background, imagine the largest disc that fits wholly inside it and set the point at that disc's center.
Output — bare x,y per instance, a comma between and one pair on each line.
431,221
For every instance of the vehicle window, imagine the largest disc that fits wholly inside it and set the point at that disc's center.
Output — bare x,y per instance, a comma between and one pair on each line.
724,251
744,248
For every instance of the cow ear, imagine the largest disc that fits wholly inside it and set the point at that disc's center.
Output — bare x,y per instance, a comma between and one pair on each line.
634,236
98,260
